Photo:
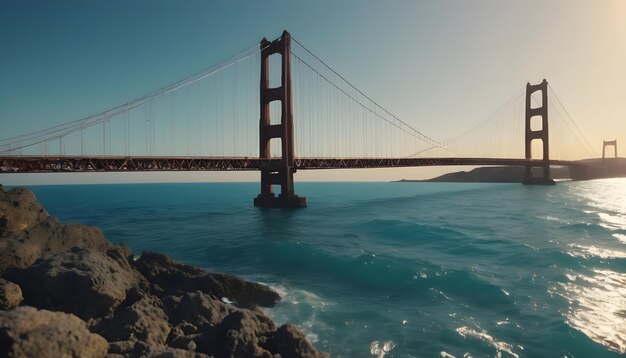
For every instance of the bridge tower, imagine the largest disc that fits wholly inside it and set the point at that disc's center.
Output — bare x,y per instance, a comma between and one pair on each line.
281,174
541,134
609,143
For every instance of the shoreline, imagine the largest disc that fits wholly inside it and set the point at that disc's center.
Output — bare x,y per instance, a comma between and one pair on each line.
67,291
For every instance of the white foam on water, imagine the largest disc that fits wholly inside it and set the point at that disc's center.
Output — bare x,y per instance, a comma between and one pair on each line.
281,290
552,218
312,337
299,307
379,349
444,354
484,336
440,293
597,307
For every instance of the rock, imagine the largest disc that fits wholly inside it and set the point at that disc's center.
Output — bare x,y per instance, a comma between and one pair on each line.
134,349
187,328
179,353
179,339
240,334
126,252
198,309
170,278
290,342
28,232
10,295
140,317
142,349
121,347
84,282
28,332
20,211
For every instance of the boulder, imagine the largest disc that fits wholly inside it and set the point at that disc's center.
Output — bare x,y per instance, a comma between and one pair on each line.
87,283
28,232
28,332
142,349
140,317
10,295
170,278
196,308
178,353
20,211
290,342
240,334
125,252
122,348
187,328
178,338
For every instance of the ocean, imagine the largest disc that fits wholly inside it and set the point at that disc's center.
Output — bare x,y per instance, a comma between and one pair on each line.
398,269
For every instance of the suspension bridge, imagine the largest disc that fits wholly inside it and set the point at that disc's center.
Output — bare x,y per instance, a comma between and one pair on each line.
279,108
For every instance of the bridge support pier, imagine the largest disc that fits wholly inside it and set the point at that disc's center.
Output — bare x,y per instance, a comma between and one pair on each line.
281,174
541,134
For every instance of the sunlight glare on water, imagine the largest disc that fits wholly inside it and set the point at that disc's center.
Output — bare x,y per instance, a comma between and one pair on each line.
598,307
608,197
598,300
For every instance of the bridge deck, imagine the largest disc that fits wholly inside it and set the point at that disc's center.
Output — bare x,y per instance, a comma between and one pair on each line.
38,164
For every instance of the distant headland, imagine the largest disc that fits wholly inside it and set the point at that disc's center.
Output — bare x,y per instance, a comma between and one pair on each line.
596,169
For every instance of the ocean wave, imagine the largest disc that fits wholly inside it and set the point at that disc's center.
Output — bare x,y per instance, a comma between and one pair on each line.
597,306
583,227
553,219
399,233
613,221
300,307
593,251
620,237
480,334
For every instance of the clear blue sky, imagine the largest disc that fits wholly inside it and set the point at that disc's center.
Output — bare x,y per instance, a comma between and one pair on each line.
442,66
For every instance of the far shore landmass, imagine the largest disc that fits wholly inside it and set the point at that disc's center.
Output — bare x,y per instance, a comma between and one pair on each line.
66,291
597,169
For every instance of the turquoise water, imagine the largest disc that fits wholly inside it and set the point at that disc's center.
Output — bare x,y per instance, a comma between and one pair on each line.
399,269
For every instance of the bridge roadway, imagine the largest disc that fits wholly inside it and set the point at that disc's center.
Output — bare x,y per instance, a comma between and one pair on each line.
60,164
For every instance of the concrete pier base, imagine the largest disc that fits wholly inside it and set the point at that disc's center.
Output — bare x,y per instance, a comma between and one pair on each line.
280,201
538,181
541,176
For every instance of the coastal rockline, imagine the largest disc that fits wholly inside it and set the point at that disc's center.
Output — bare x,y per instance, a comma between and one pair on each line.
65,291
